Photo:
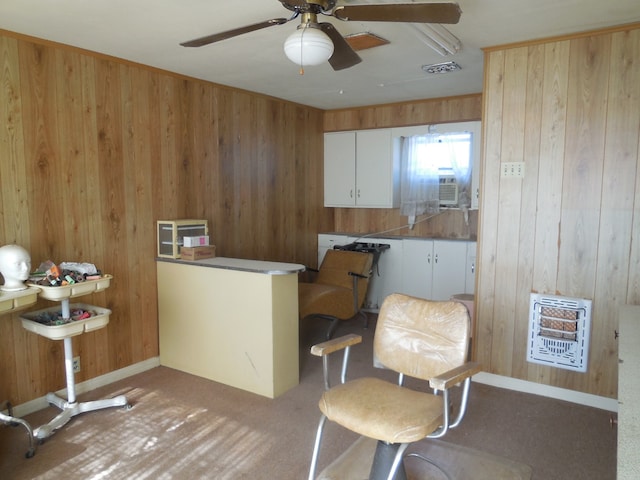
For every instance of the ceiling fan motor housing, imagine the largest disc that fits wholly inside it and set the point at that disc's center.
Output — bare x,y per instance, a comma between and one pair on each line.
311,6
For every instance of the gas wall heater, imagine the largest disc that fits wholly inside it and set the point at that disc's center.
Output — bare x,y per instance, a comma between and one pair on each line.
559,330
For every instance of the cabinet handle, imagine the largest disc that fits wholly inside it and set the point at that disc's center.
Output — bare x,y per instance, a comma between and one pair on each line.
435,258
473,268
351,193
358,193
429,258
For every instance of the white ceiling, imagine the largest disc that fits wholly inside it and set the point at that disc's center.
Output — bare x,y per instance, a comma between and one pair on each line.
149,32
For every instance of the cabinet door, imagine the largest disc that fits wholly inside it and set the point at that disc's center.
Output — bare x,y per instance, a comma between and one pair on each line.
339,169
375,164
449,268
417,260
470,282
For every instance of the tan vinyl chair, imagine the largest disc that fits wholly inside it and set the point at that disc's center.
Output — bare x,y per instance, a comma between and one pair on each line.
339,290
419,338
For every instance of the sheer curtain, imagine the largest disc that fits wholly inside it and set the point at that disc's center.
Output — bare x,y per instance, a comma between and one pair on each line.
459,159
419,178
423,157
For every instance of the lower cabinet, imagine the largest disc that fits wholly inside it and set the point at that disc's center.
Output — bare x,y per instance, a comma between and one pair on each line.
427,268
437,269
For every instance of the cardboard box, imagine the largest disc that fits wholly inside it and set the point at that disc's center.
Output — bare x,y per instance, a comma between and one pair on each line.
200,241
198,253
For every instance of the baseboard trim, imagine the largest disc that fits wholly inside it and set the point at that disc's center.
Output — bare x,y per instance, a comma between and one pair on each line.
581,398
88,385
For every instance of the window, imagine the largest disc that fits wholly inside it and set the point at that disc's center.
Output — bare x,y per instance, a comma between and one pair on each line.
449,153
436,168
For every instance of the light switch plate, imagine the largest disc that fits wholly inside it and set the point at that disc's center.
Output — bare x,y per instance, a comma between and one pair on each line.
512,169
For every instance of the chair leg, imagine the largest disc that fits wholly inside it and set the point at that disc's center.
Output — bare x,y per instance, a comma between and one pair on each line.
387,462
316,448
366,318
332,328
11,420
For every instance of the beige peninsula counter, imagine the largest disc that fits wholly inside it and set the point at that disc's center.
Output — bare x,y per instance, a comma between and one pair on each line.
230,320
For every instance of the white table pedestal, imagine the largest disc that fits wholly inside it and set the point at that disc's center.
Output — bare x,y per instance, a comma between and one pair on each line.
70,408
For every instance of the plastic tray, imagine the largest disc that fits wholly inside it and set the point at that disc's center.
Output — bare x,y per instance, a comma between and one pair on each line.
71,329
10,301
75,290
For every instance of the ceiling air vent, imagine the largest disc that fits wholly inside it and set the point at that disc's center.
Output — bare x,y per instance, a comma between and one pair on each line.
444,67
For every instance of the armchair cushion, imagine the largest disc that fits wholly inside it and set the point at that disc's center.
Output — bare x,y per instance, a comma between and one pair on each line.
331,300
421,339
332,293
378,409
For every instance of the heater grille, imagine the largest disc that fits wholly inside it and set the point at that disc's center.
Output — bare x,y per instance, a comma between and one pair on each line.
559,331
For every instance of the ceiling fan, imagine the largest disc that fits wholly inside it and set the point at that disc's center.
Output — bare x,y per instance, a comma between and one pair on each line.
315,42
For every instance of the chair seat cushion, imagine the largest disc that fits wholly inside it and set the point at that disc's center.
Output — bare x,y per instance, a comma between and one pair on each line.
385,411
322,299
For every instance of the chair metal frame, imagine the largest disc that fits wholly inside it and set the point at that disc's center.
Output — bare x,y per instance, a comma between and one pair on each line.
9,419
387,461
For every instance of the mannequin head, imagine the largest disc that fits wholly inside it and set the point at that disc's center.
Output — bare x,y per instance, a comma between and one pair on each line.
15,265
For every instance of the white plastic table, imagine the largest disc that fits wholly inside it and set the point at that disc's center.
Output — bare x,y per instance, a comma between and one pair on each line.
70,407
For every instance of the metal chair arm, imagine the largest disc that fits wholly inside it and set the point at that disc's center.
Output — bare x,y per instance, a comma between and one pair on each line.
324,349
443,382
335,344
454,376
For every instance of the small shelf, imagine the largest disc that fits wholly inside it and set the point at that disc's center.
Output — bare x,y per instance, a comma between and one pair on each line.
76,290
71,329
11,301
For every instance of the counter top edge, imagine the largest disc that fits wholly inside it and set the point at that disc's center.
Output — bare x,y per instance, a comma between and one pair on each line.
241,264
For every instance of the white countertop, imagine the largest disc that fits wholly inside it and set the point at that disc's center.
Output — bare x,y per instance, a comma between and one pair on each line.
241,264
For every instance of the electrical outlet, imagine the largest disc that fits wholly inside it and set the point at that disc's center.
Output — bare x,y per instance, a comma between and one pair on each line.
512,169
76,364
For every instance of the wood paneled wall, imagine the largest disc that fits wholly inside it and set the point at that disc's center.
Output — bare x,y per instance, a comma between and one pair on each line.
94,150
449,224
567,108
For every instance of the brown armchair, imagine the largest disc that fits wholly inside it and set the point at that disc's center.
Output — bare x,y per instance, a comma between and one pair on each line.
339,290
423,339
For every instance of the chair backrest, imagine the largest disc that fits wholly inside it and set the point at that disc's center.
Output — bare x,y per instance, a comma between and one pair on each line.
421,338
336,266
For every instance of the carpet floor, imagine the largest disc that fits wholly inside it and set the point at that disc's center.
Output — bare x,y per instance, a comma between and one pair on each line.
185,427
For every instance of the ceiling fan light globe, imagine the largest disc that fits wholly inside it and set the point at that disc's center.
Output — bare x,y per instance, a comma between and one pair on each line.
308,46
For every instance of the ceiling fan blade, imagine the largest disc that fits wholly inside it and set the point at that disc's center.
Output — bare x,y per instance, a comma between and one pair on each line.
401,12
216,37
343,55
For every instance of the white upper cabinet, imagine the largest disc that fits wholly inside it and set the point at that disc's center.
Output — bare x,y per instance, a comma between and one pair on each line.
361,169
339,169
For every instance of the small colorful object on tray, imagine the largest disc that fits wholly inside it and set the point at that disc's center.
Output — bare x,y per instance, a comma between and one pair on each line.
51,324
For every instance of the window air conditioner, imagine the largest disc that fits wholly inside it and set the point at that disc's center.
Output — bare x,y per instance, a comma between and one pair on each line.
448,190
